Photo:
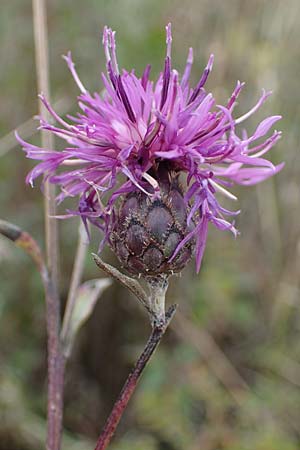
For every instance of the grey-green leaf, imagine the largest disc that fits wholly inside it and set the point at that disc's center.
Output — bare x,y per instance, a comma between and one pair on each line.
86,299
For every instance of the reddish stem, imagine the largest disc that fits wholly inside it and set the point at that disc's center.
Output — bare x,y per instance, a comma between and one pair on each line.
56,369
132,381
56,363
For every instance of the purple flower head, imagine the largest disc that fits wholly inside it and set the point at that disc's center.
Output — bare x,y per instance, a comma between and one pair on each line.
120,138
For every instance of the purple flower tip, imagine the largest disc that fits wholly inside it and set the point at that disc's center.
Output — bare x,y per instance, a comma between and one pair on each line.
137,125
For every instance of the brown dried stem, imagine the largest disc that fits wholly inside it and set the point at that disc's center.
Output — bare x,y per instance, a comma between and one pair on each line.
55,357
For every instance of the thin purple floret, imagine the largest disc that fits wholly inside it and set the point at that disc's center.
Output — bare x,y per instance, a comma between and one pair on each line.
118,137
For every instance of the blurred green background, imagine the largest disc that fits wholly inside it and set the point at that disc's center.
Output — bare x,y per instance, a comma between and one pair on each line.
227,375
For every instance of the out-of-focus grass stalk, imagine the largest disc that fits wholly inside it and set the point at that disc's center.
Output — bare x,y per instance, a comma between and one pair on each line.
28,128
55,358
267,203
218,363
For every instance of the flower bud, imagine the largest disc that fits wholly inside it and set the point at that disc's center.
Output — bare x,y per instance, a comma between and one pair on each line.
148,230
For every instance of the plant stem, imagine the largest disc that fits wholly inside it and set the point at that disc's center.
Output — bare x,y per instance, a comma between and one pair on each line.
56,361
132,381
158,288
56,369
42,70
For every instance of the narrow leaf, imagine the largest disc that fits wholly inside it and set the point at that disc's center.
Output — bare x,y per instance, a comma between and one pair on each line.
86,299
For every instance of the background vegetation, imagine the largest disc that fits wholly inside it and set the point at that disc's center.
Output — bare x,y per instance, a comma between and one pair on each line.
227,376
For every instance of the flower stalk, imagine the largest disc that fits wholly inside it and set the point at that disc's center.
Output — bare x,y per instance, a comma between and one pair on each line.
158,289
131,383
154,302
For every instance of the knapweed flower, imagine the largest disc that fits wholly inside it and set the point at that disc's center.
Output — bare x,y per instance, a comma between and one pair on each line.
127,148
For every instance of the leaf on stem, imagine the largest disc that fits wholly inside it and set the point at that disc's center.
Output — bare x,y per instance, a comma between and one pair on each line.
86,299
